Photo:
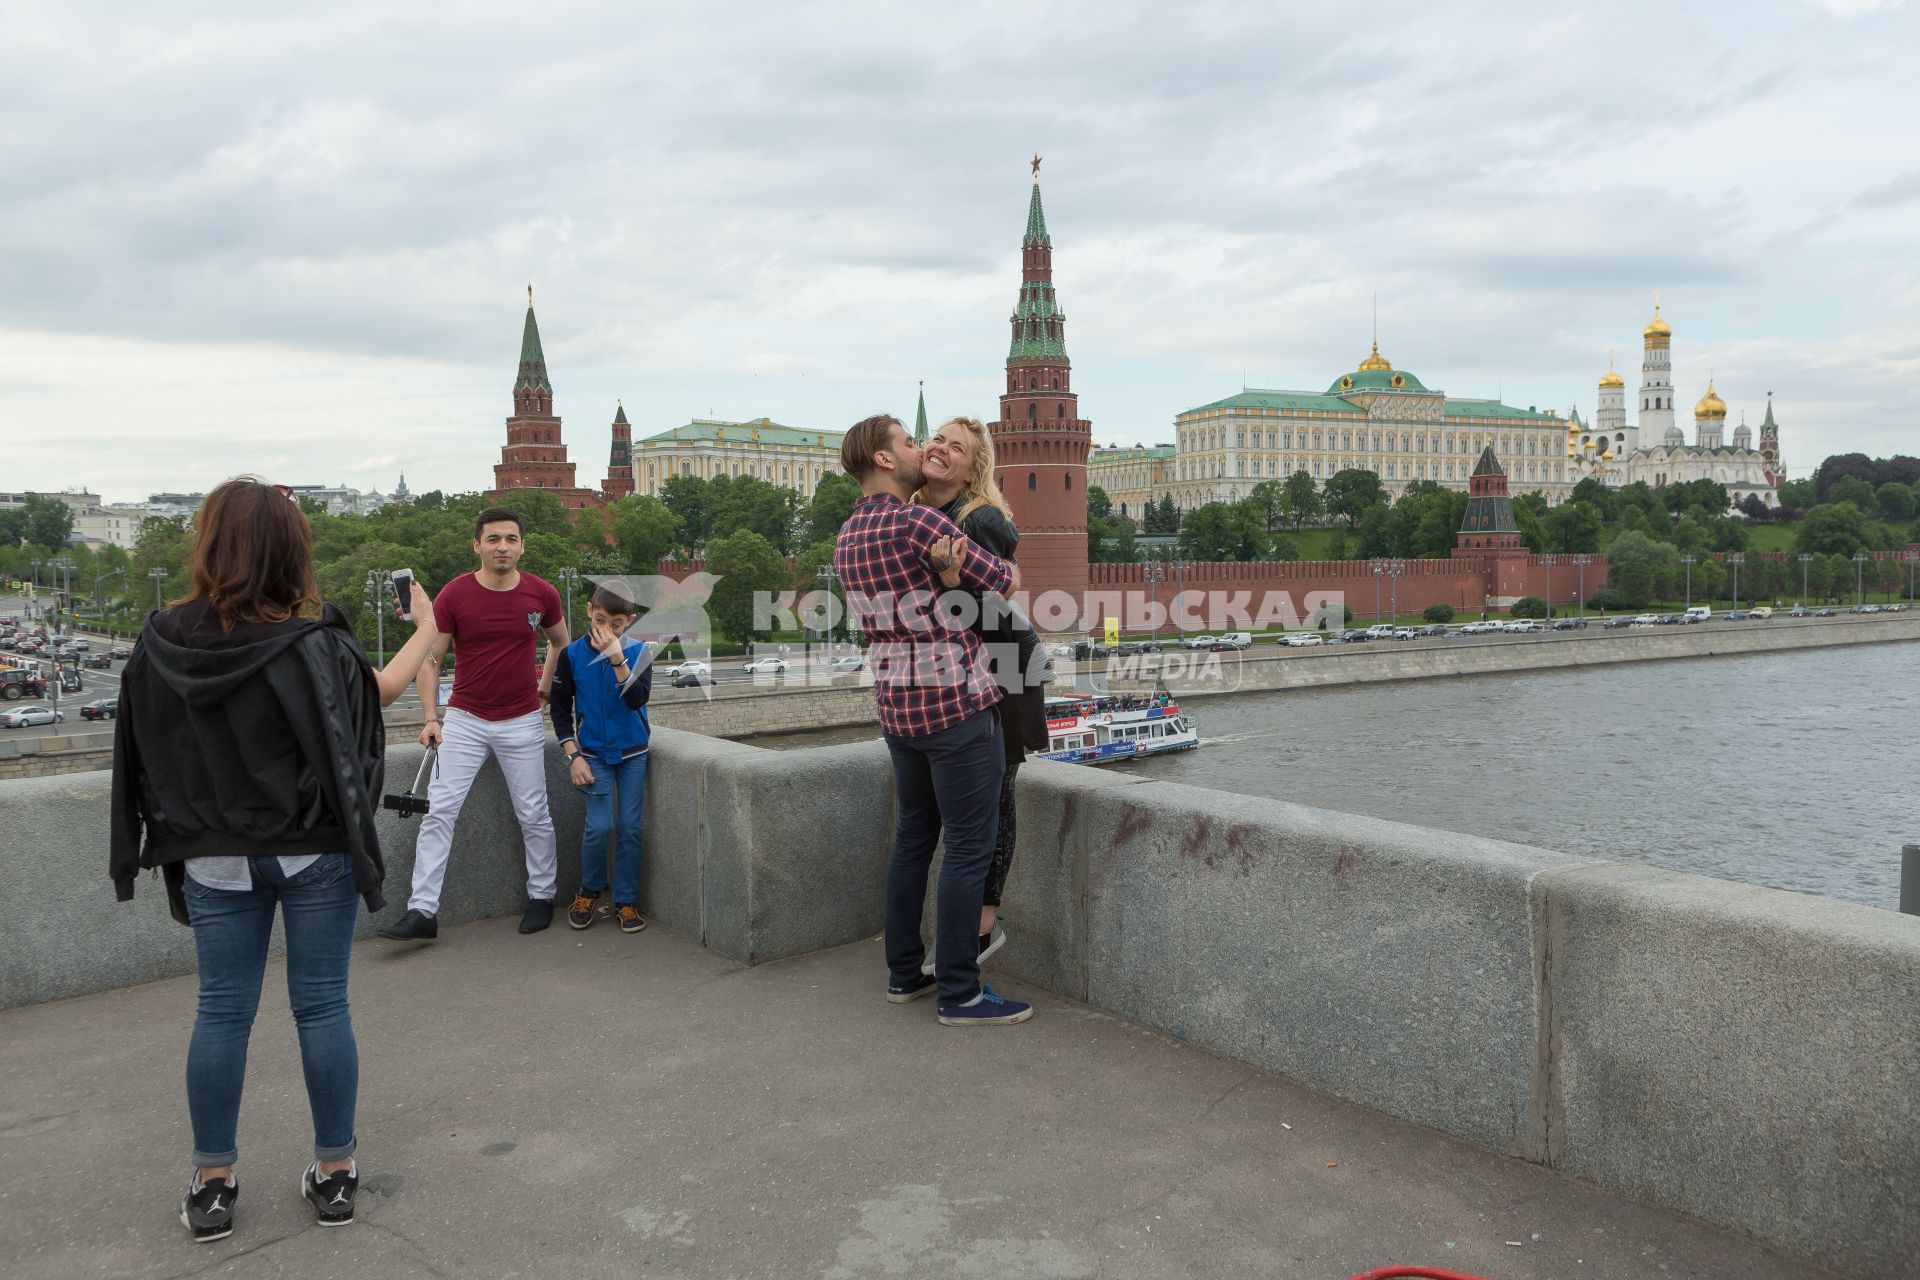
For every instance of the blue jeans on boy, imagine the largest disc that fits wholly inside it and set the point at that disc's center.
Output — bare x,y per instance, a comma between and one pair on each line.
614,800
946,783
230,932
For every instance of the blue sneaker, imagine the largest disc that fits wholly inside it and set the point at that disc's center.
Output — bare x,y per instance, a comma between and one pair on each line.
897,994
990,1010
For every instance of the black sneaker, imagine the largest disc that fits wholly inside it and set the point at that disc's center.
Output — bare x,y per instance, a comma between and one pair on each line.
631,921
539,915
415,926
208,1212
332,1196
580,914
909,992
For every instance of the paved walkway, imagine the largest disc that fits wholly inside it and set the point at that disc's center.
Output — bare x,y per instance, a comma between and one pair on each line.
596,1104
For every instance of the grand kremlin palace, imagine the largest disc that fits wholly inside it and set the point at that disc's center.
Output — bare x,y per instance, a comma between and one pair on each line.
760,448
1375,419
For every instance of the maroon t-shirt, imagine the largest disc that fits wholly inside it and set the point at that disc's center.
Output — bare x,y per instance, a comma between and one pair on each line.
494,673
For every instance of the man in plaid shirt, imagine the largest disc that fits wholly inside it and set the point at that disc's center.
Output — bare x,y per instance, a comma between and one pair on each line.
936,697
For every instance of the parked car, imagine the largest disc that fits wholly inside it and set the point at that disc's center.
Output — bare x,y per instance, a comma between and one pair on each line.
21,717
1569,624
1614,623
1761,612
1479,628
101,709
1735,615
1646,620
1380,631
1672,619
98,661
765,666
1301,639
1824,613
851,662
1433,629
1353,635
1060,651
1085,650
9,642
1521,627
1895,608
1405,633
1197,642
1234,640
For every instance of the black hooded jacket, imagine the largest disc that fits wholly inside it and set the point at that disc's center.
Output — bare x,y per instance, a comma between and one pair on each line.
265,740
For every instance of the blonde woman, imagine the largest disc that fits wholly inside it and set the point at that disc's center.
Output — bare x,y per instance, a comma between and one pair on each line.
957,476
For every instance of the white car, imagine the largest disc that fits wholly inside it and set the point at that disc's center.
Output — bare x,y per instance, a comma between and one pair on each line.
765,666
1647,620
855,663
1061,651
21,717
1522,626
1302,639
1197,642
687,666
1405,633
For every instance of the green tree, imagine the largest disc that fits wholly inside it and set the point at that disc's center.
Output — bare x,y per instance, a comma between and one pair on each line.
746,564
1894,501
1574,526
1710,579
1528,607
1640,570
1594,495
748,502
1852,489
1301,499
1530,514
1161,517
1219,531
644,530
832,503
1269,499
47,521
1441,613
1099,506
1351,493
687,498
1796,494
1832,528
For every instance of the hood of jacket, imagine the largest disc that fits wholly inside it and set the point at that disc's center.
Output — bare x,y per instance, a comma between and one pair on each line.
208,677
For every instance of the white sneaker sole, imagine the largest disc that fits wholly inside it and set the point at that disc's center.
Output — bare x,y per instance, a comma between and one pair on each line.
908,997
948,1020
998,941
197,1237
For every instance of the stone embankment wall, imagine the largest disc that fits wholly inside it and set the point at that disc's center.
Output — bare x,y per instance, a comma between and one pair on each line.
1744,1054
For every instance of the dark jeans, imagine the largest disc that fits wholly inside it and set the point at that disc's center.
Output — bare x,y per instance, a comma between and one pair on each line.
230,932
615,817
945,783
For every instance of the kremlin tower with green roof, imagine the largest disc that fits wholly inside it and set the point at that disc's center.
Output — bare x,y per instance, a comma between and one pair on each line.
1041,441
534,456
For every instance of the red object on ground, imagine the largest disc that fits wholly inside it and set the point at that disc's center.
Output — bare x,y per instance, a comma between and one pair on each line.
1431,1273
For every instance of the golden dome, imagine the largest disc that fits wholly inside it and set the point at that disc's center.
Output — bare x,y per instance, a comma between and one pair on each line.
1710,405
1656,327
1375,361
1612,379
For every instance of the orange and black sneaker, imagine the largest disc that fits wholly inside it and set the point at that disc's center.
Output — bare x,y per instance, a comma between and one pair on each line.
580,914
631,921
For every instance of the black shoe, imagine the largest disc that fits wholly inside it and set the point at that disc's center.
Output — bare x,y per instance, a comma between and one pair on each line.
580,914
332,1196
539,915
208,1212
415,926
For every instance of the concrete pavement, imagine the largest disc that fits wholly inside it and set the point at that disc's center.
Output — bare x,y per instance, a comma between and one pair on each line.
593,1103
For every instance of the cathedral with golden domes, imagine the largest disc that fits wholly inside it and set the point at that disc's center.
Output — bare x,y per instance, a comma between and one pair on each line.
1654,449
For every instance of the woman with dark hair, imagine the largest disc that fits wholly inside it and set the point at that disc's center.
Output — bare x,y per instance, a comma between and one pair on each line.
247,761
957,476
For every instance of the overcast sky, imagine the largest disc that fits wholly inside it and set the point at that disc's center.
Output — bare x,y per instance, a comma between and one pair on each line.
295,240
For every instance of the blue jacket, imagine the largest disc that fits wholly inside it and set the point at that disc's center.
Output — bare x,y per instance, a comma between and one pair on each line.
612,720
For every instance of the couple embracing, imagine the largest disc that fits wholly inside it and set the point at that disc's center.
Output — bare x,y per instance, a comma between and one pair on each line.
959,692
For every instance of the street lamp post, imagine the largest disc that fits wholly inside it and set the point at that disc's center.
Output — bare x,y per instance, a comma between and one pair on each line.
159,576
1805,560
377,592
1912,559
1581,562
1180,590
1548,560
1859,573
1153,573
1394,569
831,576
64,586
1689,561
1379,567
1736,560
570,577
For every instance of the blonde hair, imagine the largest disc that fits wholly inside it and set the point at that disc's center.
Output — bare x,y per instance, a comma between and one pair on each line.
982,490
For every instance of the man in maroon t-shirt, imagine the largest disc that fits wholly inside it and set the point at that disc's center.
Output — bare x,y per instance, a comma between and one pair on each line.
491,617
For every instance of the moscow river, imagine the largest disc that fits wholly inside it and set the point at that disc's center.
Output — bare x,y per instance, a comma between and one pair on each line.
1795,769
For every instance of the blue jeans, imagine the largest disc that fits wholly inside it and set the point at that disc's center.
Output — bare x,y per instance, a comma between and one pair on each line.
230,932
616,816
945,783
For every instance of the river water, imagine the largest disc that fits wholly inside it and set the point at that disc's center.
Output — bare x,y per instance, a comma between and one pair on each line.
1797,770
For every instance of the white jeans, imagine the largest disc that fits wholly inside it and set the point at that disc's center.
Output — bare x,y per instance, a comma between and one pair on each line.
520,745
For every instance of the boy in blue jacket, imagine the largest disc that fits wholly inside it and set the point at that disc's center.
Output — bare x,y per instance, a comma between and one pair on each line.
606,679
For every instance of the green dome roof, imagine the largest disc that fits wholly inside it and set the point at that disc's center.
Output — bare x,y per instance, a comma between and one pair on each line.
1375,380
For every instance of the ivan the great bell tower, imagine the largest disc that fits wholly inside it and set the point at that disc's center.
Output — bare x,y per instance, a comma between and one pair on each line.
1041,441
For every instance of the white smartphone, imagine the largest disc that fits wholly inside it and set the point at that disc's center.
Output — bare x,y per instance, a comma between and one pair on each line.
403,592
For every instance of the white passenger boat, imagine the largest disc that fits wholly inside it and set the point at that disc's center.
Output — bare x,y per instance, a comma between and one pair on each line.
1089,730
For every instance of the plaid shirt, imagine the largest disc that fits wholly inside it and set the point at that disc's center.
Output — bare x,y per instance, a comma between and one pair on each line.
927,674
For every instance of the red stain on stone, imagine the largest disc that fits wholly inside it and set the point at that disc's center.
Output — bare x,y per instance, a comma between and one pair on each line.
1195,840
1343,862
1237,846
1067,816
1133,821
